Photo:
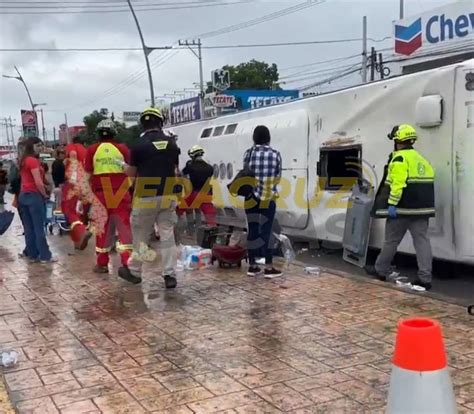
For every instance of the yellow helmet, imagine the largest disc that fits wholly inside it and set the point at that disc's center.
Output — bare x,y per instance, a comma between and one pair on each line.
196,151
148,113
405,132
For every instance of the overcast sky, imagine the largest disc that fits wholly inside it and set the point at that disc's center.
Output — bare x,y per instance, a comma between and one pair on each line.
75,82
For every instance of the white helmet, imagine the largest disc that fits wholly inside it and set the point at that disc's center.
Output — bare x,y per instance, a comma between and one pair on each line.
106,127
196,151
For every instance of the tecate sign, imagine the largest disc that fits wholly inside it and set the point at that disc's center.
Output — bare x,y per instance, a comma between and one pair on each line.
223,101
187,110
449,24
252,99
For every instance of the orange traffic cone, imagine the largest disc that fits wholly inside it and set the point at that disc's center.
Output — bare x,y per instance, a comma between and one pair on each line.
420,381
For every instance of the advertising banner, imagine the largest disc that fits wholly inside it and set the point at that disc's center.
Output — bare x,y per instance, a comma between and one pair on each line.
449,25
187,110
252,99
223,101
29,123
130,116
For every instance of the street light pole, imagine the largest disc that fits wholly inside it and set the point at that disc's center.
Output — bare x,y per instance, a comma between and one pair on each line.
22,80
146,52
402,9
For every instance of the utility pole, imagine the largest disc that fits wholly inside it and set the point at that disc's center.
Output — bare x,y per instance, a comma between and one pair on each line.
11,131
197,43
42,125
7,131
146,52
373,63
381,67
54,135
402,9
364,49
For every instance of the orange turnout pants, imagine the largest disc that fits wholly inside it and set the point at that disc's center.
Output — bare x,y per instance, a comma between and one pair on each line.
69,207
118,223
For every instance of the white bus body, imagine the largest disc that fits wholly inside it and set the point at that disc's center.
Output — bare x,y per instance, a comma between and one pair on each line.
352,124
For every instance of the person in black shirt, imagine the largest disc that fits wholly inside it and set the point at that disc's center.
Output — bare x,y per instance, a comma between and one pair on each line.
58,170
200,174
154,164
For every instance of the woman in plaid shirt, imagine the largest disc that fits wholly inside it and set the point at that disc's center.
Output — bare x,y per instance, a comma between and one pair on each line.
260,207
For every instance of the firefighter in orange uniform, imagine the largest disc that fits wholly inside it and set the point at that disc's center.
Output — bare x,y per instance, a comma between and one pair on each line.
105,162
75,158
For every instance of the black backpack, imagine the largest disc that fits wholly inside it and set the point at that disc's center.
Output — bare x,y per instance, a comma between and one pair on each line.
14,180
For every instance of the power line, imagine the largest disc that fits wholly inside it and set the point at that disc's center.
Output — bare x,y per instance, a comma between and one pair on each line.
438,52
115,49
320,62
108,5
330,79
138,9
136,76
124,84
116,3
310,75
263,19
311,42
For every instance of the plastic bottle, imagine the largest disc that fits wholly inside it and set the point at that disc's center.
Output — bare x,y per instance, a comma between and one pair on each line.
205,258
194,262
316,271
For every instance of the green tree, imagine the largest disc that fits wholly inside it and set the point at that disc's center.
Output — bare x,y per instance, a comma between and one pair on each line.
252,75
124,134
91,121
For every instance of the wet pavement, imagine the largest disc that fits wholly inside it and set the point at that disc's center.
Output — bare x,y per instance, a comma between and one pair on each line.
452,282
222,342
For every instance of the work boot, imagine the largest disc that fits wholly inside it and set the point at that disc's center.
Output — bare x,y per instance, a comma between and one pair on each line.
126,274
170,281
82,244
101,269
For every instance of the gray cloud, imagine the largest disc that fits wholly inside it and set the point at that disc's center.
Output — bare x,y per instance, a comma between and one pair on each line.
76,81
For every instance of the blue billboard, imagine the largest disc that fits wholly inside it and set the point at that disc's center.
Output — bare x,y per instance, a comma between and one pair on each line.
253,98
187,110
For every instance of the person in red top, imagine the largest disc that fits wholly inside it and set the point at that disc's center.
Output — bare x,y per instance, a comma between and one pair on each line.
75,159
105,162
32,203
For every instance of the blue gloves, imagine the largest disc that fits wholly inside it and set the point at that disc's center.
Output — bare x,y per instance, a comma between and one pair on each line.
392,211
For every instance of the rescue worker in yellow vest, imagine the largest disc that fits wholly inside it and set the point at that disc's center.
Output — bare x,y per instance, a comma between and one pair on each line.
407,200
106,162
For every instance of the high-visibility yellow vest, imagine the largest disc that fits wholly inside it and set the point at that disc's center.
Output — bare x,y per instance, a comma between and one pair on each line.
108,160
409,186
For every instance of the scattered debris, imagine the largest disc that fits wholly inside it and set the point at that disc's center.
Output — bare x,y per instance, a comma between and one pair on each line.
9,359
316,271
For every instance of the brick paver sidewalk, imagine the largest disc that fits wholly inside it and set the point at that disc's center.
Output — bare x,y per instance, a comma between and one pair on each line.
222,342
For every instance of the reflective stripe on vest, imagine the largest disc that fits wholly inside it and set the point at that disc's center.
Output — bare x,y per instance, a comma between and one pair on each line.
108,159
419,170
408,212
